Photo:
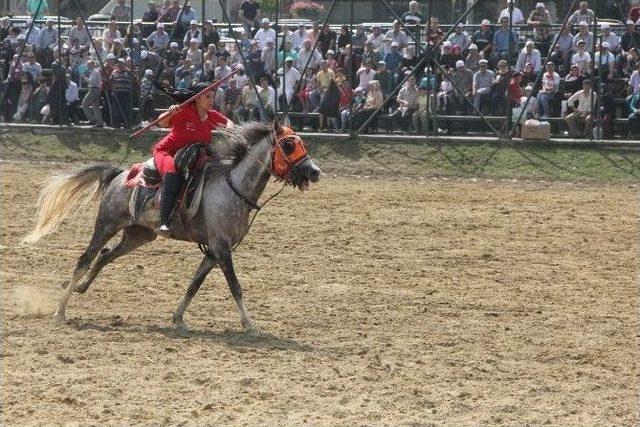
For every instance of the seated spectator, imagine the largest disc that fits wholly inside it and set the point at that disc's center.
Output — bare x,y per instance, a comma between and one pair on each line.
247,109
462,78
504,41
359,39
331,60
582,58
482,82
604,62
460,37
500,88
365,75
473,58
170,13
32,67
377,39
634,81
407,100
110,34
159,39
194,32
540,20
573,81
25,96
579,121
369,54
434,33
264,33
483,40
47,40
298,37
630,39
359,101
14,34
326,39
33,34
308,55
268,58
344,38
611,38
392,59
193,53
413,16
531,107
121,12
448,58
222,71
385,78
151,14
211,36
550,88
5,26
287,52
564,45
529,55
516,16
118,49
372,104
634,116
583,14
529,77
79,33
444,94
38,100
515,89
231,99
583,35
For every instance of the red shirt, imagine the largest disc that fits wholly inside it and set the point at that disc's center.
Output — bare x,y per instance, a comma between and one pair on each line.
187,128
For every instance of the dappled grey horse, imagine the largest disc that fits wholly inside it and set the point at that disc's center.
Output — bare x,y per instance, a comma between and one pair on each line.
231,190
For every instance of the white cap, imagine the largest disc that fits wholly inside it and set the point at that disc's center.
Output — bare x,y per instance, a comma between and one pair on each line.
395,44
148,73
144,54
193,22
606,45
529,88
173,44
446,44
160,25
110,56
117,41
460,64
583,24
540,4
605,25
121,61
265,21
330,51
483,61
135,40
22,37
194,40
485,22
473,46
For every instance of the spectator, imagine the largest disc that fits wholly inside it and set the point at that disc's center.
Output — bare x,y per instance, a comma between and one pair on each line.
45,44
604,62
121,83
582,58
583,14
344,103
37,9
359,39
79,33
268,58
473,58
500,88
369,54
254,62
308,55
268,98
250,15
531,107
230,99
434,34
98,52
634,116
25,96
32,67
395,35
298,37
550,88
210,35
630,39
611,38
515,89
38,100
573,81
407,100
516,16
540,20
287,52
579,121
121,12
222,70
377,39
358,104
110,34
285,37
265,33
482,82
72,98
57,103
33,33
331,61
392,60
426,108
448,58
247,106
634,81
326,39
564,46
5,26
151,14
583,34
372,104
91,101
314,33
444,94
193,53
460,38
385,78
462,78
194,32
159,39
413,16
483,38
529,55
504,41
528,75
365,76
241,78
289,79
185,17
169,13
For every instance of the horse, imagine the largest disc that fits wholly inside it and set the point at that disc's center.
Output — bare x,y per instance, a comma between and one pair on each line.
254,152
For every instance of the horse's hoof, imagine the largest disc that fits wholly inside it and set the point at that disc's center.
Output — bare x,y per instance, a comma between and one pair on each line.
59,317
81,289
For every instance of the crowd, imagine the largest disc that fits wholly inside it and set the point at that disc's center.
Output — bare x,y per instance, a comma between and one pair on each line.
348,78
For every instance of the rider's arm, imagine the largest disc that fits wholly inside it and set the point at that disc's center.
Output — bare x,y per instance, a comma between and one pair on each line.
165,118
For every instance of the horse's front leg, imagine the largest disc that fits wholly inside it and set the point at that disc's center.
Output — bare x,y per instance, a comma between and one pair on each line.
223,254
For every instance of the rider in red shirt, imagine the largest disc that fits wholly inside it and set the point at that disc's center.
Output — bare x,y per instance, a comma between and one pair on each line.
191,124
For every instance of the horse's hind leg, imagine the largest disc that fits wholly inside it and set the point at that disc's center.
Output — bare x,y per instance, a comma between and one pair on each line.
100,237
132,238
205,267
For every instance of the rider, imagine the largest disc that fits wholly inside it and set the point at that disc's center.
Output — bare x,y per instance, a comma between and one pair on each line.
189,125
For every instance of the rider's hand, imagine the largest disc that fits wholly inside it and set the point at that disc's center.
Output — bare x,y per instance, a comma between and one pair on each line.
172,110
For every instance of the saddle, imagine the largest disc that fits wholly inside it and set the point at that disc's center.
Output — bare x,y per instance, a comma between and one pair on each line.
146,181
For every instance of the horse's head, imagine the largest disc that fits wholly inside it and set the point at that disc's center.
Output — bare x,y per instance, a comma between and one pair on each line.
290,161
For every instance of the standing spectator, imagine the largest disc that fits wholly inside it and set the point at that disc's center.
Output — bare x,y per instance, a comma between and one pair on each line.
255,68
38,100
582,58
159,39
151,14
482,82
344,103
268,98
268,58
426,108
504,41
583,14
194,32
407,100
604,62
460,37
121,82
72,98
32,8
462,78
121,12
250,15
583,34
483,38
5,26
529,55
549,91
32,67
579,121
45,44
500,88
473,58
79,33
298,37
91,101
25,96
110,34
540,20
230,99
210,35
518,17
326,39
56,100
289,78
265,33
344,38
413,17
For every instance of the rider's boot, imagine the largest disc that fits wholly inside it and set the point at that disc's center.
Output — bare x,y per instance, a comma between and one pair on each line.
170,189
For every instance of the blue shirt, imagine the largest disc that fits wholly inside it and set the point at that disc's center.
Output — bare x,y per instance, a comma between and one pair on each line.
392,59
501,40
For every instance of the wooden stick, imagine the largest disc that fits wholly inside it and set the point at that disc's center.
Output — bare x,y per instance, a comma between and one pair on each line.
188,101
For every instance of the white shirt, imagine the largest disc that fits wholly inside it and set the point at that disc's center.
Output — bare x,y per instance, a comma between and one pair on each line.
262,35
365,77
550,83
582,60
613,40
71,94
584,101
634,82
518,17
376,41
34,35
607,60
297,38
532,57
291,78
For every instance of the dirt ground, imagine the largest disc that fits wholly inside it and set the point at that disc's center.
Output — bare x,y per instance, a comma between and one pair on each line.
381,301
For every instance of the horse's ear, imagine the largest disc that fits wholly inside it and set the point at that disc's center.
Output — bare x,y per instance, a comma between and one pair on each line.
276,126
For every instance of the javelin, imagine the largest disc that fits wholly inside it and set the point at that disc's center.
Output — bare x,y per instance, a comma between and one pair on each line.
188,101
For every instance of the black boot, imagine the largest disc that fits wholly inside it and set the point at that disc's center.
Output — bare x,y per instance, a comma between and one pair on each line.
170,189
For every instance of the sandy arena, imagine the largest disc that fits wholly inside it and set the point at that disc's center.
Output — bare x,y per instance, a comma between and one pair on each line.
382,301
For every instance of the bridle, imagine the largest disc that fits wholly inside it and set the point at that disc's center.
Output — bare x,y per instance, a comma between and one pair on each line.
281,162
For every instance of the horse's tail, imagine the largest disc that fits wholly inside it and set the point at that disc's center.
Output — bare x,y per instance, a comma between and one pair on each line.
65,191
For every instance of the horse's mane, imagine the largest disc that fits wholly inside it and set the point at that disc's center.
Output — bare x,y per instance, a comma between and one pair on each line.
236,142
